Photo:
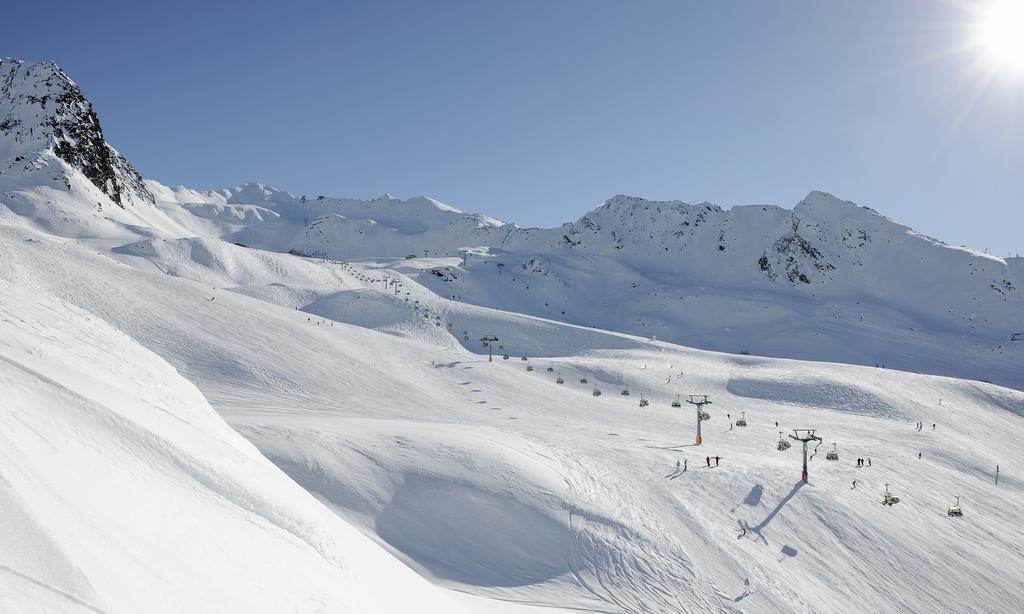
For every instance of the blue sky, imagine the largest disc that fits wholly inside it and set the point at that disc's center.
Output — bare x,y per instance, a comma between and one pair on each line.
535,111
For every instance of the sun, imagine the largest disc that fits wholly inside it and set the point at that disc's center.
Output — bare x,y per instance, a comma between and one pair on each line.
1001,32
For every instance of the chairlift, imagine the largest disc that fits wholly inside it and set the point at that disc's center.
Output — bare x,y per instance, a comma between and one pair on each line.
833,454
1017,337
504,356
529,367
954,510
551,369
644,402
676,402
597,392
889,498
783,443
742,420
465,337
705,415
583,380
625,392
523,358
559,380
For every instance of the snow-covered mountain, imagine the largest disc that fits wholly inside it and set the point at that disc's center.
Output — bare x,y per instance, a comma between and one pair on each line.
403,463
826,280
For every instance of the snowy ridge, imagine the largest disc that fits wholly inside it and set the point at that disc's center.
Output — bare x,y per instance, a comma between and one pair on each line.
43,113
827,280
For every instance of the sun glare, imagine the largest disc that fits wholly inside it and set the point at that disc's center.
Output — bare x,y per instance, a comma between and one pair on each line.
1001,32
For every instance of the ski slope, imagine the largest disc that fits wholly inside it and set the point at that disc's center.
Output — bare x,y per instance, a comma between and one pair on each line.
195,420
500,483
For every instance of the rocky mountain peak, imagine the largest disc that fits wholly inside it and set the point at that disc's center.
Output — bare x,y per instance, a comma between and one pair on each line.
42,113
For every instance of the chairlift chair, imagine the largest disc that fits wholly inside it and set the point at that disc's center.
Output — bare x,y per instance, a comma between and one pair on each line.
465,337
676,402
705,415
1017,337
504,356
625,392
783,443
742,420
833,455
644,402
889,498
529,367
954,510
551,369
583,380
559,380
597,392
523,358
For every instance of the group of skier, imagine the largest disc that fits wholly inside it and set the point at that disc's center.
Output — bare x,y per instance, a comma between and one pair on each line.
860,462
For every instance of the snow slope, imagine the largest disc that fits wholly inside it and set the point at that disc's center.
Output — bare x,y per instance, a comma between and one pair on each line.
369,406
122,491
827,280
493,480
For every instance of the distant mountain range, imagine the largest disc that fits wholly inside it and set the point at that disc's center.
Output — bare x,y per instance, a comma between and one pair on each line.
827,280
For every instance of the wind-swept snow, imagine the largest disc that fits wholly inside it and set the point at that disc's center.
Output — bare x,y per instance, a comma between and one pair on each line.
122,491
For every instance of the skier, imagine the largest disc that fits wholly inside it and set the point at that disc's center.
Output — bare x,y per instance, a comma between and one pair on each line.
854,485
716,461
918,456
746,585
869,461
678,465
776,424
685,461
933,426
730,426
708,459
743,531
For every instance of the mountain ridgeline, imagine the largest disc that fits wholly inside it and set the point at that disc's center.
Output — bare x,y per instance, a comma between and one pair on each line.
43,113
828,280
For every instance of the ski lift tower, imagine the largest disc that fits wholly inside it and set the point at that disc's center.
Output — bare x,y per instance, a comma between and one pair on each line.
804,435
487,340
700,400
305,222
